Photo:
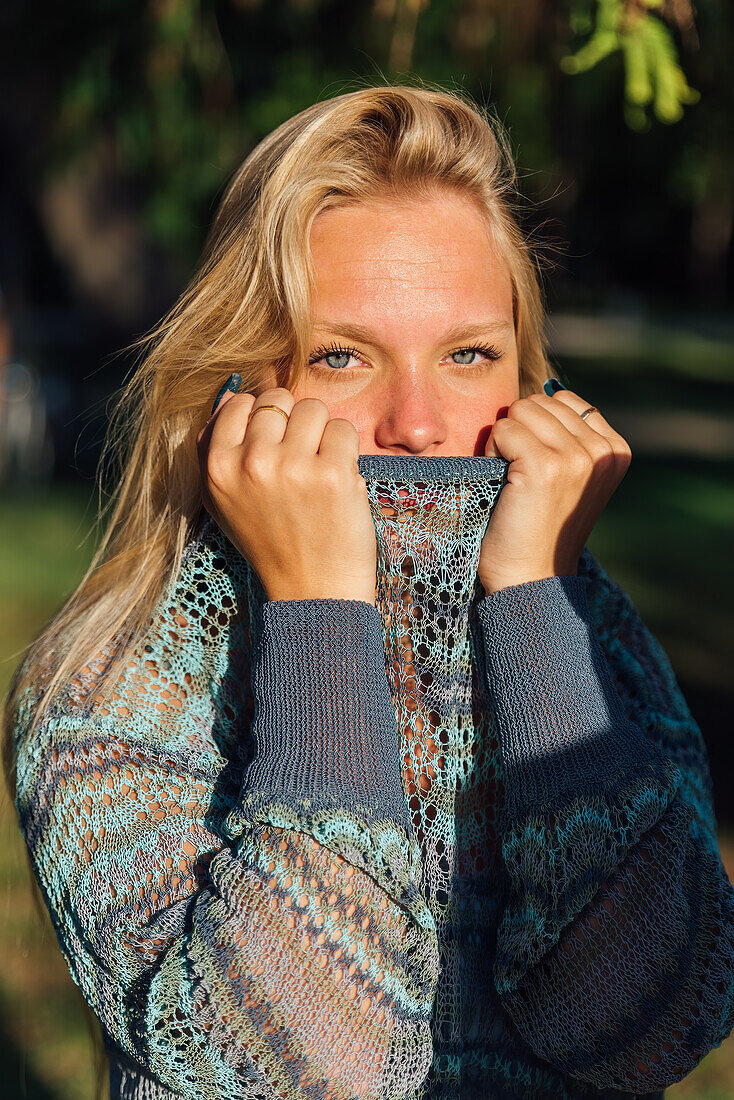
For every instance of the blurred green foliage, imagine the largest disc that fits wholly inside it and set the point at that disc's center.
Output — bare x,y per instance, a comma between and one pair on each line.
175,92
652,69
144,108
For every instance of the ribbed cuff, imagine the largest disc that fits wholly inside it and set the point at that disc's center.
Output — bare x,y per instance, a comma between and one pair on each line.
325,727
560,720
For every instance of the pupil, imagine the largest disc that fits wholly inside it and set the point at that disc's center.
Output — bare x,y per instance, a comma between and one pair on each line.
343,355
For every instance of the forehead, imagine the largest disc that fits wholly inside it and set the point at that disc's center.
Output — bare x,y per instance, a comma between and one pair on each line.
412,258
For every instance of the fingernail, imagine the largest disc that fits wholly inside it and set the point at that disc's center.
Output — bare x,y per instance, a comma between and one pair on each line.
233,383
553,385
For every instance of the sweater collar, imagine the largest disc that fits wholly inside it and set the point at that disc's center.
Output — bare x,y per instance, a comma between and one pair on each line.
430,514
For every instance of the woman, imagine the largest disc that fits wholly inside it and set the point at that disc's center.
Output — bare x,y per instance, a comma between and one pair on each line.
365,780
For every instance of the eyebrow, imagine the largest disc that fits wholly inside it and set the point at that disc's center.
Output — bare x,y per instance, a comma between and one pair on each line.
454,334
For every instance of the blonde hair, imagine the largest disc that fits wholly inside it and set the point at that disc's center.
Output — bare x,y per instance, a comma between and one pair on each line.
247,309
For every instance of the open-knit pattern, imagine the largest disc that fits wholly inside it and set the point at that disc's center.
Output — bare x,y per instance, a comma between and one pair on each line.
453,846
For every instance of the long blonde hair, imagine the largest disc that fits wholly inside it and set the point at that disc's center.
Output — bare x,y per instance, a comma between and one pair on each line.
247,309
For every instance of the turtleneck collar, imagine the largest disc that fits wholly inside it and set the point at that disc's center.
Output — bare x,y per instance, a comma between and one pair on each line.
430,516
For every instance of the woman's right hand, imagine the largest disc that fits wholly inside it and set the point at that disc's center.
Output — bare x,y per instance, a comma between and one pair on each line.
290,496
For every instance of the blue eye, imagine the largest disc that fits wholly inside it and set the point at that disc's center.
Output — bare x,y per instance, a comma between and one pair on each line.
335,353
489,352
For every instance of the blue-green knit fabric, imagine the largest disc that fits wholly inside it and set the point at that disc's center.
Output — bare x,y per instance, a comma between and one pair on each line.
451,846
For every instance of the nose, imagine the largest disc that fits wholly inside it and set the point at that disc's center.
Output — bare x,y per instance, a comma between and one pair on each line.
410,420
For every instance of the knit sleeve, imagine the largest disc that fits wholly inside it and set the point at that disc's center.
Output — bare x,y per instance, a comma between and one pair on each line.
615,954
276,944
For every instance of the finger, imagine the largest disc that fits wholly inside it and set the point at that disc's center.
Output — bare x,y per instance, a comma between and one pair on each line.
559,427
567,405
490,448
340,441
268,426
203,439
309,417
511,439
547,429
227,427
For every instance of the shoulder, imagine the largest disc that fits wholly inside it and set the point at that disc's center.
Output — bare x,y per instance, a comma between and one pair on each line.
174,683
610,606
616,619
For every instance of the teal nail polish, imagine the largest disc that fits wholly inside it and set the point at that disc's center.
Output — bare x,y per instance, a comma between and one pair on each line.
553,385
233,383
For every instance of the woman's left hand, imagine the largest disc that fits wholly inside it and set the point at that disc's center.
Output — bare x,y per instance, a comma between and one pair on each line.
562,472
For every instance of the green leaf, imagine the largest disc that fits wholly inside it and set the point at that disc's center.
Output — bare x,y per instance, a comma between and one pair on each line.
653,74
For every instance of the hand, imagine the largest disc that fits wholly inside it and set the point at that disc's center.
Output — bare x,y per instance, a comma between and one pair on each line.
562,472
290,496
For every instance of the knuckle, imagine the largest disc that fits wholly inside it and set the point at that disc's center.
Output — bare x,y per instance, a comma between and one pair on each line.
332,478
342,428
587,461
603,450
276,391
623,460
257,466
293,473
342,421
553,465
582,461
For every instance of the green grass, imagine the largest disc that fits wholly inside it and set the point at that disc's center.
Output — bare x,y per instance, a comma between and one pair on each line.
46,545
43,554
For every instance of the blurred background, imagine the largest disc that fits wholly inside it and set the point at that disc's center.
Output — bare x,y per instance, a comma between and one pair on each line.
120,123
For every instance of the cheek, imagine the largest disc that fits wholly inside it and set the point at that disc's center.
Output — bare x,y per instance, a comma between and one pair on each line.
474,421
362,412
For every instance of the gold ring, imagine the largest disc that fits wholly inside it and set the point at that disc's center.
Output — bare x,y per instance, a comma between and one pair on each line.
276,407
587,412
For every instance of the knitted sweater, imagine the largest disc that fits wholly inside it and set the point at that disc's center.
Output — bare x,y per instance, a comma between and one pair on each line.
451,846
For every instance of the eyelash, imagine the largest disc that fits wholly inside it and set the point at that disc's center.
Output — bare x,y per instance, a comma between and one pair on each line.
337,349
